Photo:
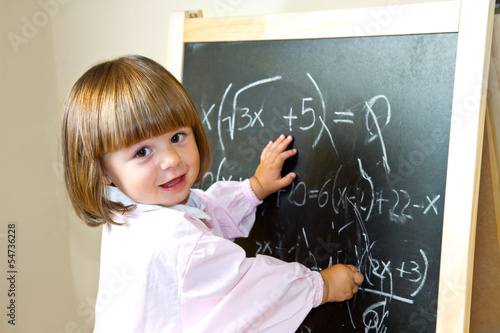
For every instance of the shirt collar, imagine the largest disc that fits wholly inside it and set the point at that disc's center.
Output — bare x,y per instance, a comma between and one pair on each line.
194,206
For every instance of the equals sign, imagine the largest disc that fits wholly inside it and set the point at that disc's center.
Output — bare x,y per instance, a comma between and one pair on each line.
313,194
342,115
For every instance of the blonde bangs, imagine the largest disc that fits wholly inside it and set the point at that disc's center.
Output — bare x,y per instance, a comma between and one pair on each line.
139,114
134,105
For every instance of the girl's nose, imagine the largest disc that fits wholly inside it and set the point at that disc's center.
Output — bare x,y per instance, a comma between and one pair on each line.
169,159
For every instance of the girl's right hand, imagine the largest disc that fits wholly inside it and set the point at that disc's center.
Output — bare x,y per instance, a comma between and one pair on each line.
268,179
341,282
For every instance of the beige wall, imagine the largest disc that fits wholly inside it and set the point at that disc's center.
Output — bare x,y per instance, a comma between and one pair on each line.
51,43
31,193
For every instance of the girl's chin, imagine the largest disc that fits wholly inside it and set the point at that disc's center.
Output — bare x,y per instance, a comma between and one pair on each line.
179,198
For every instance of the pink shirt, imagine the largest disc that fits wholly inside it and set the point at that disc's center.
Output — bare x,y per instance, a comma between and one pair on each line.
165,270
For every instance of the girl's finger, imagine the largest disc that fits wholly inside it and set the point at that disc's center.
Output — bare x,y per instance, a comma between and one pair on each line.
265,150
281,143
287,154
353,268
358,278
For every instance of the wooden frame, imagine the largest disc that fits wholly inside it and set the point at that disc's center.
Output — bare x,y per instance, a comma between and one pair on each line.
493,122
473,20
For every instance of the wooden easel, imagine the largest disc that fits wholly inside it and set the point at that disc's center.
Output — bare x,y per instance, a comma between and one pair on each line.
473,20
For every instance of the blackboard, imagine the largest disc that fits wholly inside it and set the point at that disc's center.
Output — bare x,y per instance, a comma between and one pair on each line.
371,119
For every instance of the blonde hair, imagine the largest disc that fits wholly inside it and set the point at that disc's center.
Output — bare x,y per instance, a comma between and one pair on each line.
112,106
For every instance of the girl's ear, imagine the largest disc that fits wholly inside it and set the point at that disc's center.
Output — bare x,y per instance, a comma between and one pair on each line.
104,175
106,180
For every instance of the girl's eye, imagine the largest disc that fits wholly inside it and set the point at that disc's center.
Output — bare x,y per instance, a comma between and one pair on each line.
178,137
142,152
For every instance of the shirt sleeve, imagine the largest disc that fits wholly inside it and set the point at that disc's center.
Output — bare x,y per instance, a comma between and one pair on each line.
223,291
232,206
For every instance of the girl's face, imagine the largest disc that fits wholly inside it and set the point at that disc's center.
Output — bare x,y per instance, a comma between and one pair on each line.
158,170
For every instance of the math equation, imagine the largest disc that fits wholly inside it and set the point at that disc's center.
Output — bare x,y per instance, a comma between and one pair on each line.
371,165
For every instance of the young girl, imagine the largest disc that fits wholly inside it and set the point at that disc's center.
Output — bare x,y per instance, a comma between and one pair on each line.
133,145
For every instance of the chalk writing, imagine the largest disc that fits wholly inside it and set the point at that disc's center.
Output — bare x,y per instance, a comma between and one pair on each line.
370,119
361,198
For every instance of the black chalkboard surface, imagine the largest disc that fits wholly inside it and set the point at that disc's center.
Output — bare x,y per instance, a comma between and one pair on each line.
371,122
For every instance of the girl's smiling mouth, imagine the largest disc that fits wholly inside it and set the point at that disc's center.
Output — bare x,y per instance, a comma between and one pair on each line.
174,184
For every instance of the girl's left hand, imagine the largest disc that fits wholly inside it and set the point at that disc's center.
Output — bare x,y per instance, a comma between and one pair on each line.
267,179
